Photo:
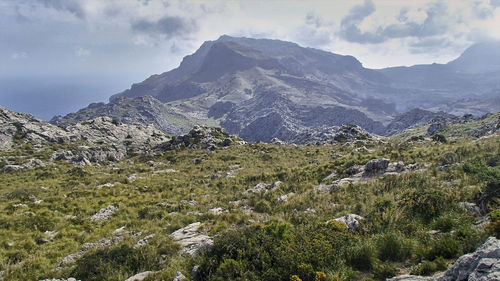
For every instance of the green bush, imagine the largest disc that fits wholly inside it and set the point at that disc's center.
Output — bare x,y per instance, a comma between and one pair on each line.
439,138
362,257
430,267
426,203
391,247
262,206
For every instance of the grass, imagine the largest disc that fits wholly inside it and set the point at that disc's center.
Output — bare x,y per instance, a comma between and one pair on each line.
275,241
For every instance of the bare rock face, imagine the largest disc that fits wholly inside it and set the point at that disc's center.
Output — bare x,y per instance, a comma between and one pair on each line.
482,265
25,127
191,239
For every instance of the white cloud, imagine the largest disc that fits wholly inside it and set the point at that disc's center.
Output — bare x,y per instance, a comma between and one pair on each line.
19,56
82,52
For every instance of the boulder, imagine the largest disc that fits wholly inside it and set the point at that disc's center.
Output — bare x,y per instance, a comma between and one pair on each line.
351,221
191,239
376,166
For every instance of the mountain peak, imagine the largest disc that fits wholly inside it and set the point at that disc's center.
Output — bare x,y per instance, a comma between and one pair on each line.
480,57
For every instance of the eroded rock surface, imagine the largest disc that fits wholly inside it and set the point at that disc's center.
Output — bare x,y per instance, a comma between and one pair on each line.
192,239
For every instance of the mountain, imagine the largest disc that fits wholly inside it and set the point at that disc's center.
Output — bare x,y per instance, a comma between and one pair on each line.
261,89
468,84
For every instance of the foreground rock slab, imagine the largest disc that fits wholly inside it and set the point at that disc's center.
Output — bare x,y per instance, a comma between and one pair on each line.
191,239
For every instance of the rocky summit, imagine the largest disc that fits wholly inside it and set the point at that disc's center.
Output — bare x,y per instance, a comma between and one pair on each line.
261,89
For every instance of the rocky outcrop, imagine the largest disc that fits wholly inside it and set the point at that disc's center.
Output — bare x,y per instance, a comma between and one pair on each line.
207,138
192,239
483,264
104,214
25,127
360,173
143,110
351,221
140,276
333,135
103,139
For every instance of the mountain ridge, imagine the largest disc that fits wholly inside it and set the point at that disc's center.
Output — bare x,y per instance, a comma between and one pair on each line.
233,82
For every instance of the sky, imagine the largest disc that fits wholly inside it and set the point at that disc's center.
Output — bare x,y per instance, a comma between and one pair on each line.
59,55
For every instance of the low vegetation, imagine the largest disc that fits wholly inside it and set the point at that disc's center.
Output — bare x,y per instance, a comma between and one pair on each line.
412,222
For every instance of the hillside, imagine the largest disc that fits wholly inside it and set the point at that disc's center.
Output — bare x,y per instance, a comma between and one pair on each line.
210,206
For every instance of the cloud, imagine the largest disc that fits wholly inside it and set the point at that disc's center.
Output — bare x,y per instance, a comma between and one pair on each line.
495,3
72,6
19,56
167,26
82,52
436,22
349,26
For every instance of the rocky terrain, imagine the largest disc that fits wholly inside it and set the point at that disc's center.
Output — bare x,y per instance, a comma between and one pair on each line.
97,140
105,200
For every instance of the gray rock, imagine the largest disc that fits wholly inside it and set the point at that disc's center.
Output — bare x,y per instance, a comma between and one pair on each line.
141,243
104,214
201,137
191,239
217,211
351,221
194,272
140,276
472,208
179,276
376,166
259,188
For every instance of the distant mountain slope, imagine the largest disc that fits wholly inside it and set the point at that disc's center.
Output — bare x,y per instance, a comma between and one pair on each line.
262,89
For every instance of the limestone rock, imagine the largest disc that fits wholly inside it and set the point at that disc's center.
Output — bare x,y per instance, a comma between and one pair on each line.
104,214
179,276
191,239
200,137
351,221
140,276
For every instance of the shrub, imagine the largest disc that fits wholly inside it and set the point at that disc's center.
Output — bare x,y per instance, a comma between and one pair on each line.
262,206
362,257
429,267
439,138
383,271
426,203
446,246
391,247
